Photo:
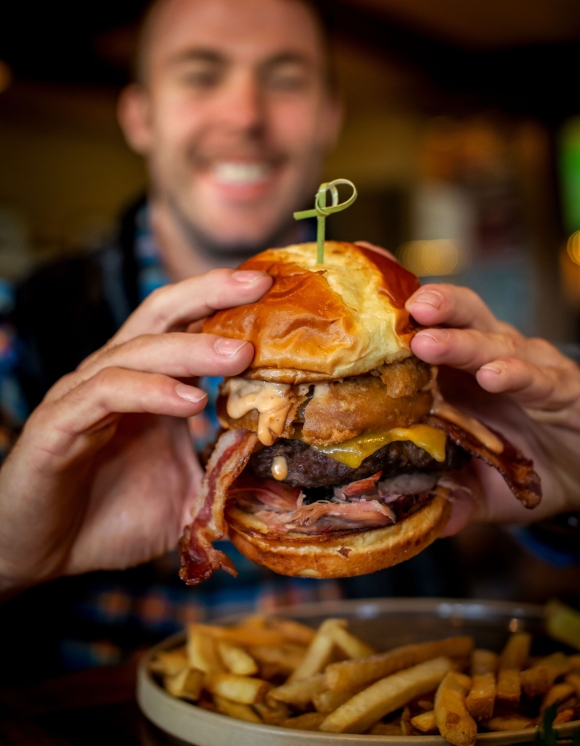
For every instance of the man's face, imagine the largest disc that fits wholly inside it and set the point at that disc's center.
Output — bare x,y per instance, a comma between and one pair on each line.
234,115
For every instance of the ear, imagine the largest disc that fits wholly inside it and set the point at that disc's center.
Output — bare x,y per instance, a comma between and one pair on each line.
333,118
134,114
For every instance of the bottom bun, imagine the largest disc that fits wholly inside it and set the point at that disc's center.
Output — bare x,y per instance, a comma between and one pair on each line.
346,554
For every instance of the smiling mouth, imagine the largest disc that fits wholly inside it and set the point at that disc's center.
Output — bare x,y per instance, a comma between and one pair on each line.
240,173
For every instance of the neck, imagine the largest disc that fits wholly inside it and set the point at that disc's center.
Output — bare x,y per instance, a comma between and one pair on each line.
181,258
182,252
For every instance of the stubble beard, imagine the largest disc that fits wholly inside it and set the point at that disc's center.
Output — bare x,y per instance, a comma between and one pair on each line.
229,253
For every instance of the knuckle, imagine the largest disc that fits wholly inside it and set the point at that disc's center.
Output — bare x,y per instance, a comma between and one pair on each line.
542,347
510,344
156,303
105,378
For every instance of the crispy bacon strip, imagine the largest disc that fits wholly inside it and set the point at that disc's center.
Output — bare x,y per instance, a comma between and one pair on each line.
198,557
515,468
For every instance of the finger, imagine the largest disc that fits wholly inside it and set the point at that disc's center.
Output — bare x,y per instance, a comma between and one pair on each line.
462,510
175,306
454,306
466,349
55,427
545,387
178,354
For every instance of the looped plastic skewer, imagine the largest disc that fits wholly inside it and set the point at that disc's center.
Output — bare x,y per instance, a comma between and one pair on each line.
321,210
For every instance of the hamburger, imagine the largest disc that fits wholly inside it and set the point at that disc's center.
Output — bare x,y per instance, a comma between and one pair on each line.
338,454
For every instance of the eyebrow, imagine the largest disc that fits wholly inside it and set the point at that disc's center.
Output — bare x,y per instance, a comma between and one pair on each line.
198,55
216,58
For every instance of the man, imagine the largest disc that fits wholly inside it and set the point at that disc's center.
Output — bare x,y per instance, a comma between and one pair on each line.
234,113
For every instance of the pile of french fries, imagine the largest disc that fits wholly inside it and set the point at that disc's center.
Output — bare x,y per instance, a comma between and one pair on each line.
282,672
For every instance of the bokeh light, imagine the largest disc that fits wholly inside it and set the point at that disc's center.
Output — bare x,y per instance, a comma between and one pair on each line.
433,258
573,247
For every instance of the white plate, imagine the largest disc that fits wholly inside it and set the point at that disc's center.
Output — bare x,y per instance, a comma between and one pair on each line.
384,623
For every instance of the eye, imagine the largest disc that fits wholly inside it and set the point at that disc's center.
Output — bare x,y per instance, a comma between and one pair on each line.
287,78
202,77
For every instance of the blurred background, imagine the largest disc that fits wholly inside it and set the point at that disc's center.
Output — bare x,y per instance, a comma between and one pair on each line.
462,134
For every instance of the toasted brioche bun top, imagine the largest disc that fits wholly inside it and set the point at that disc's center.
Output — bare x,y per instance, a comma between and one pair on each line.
321,322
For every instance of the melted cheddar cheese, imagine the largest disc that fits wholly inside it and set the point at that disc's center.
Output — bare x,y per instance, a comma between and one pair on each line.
354,451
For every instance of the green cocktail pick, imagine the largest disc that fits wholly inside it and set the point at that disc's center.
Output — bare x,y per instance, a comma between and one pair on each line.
321,210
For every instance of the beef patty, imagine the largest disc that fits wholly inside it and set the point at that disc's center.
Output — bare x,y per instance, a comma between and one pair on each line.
308,467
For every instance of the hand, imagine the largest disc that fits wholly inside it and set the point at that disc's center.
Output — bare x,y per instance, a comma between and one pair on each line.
524,388
104,472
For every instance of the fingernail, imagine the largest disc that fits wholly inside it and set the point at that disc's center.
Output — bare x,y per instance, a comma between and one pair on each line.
248,276
228,347
437,335
190,393
428,298
496,367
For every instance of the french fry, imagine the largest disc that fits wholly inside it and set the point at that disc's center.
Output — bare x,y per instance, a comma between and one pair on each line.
327,701
539,678
387,695
298,692
453,719
351,645
236,710
563,623
308,721
295,632
272,713
509,690
354,673
202,653
244,635
236,660
319,652
481,696
483,661
558,693
516,651
512,659
287,657
242,689
509,722
185,684
169,662
425,722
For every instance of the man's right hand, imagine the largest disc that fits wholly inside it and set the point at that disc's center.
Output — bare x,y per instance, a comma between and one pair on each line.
104,472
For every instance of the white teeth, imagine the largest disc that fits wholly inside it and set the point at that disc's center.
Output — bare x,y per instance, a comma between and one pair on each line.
241,174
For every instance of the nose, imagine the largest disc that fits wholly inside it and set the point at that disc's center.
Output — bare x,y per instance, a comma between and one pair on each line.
242,106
